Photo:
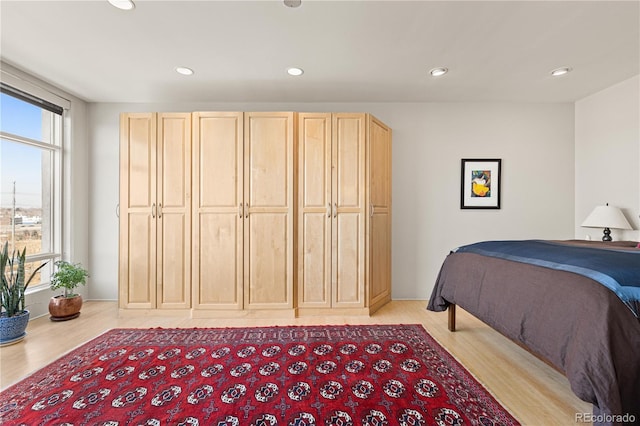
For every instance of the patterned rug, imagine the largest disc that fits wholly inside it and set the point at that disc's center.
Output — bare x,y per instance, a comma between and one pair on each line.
301,375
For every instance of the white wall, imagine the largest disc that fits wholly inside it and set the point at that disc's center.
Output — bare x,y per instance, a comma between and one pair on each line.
608,156
535,142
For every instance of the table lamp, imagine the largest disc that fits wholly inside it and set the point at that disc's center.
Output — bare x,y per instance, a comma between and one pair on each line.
606,217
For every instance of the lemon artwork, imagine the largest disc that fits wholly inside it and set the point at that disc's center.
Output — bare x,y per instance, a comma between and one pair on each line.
480,184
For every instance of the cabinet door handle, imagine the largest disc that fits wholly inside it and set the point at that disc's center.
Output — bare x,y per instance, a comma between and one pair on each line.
335,209
160,211
328,209
118,209
246,210
240,210
371,210
153,210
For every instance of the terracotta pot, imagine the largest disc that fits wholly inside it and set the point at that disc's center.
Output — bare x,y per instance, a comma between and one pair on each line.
63,309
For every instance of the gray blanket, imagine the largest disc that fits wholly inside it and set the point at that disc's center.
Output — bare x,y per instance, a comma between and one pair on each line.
575,323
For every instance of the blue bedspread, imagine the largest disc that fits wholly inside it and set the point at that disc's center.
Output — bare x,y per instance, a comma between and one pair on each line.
618,270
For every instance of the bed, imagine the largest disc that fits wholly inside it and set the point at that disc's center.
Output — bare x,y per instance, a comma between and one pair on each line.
575,304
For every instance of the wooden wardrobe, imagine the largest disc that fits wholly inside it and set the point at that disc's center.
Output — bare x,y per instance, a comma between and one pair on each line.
344,212
243,180
226,213
155,211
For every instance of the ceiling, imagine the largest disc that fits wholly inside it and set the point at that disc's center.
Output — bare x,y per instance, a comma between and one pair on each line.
351,51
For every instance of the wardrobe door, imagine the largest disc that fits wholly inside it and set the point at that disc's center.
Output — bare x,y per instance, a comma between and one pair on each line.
268,209
138,210
379,227
314,211
348,251
174,211
218,210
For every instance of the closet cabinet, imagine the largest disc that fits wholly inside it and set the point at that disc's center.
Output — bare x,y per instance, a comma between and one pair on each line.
243,211
223,213
218,210
155,211
344,212
378,181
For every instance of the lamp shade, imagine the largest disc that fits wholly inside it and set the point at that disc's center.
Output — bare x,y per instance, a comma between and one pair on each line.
606,217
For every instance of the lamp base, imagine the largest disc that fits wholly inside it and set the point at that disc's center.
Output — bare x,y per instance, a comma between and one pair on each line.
607,235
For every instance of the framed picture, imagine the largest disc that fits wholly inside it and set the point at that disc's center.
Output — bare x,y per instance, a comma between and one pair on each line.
480,184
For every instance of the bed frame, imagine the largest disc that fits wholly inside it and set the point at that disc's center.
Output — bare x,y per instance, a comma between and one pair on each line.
451,324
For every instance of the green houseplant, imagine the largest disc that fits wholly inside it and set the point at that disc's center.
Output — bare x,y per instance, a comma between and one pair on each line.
14,317
67,276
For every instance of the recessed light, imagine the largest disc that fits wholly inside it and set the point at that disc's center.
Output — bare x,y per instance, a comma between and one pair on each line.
295,71
122,4
560,71
437,72
184,70
292,3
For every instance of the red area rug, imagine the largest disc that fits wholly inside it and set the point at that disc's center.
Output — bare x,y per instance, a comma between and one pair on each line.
302,375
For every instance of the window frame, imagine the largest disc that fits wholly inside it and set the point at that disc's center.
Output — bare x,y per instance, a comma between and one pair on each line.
56,147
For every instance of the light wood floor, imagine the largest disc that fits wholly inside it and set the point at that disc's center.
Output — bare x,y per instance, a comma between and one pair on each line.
532,391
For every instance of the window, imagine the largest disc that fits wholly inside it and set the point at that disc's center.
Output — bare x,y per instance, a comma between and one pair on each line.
30,172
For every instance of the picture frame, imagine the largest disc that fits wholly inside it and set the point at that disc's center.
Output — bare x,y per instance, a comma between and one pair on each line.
480,183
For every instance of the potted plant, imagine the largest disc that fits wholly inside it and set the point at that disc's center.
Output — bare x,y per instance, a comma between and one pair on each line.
67,276
13,315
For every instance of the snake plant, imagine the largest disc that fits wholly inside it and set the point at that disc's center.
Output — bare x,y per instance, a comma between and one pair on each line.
12,281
